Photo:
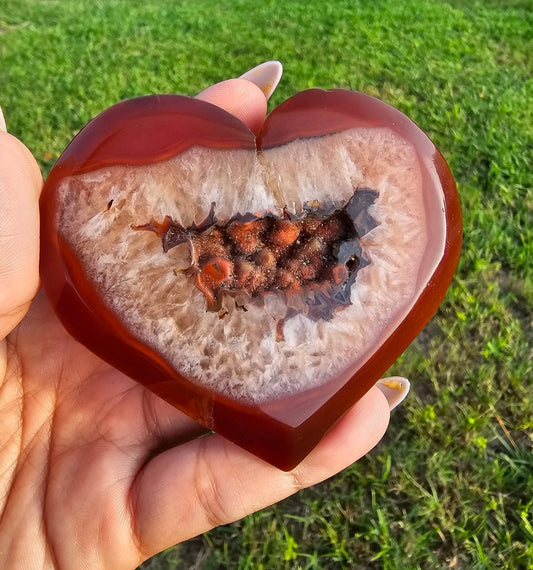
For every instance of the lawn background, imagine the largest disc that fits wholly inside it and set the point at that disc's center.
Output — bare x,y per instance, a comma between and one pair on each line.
451,484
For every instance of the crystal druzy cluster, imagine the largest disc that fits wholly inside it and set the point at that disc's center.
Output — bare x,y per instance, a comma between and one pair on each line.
311,259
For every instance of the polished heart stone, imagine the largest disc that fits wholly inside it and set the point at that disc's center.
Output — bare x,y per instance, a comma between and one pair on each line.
261,284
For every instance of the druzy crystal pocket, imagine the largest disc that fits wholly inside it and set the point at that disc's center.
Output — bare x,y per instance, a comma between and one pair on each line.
260,284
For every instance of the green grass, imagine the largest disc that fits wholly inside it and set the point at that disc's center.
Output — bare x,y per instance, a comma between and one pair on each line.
451,485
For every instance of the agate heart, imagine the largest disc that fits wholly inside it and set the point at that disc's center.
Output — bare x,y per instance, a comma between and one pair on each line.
260,284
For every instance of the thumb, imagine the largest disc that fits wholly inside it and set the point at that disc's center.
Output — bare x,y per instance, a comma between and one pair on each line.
20,184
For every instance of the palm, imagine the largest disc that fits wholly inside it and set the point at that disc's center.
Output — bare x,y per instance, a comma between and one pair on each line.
85,430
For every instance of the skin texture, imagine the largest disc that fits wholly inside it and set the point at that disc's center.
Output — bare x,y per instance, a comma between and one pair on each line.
95,471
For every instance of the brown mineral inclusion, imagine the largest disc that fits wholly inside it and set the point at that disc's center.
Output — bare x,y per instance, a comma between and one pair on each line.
315,255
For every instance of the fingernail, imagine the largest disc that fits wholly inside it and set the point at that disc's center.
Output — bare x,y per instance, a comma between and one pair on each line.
395,389
266,76
2,122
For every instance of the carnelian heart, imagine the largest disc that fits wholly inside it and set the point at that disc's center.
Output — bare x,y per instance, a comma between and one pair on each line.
259,284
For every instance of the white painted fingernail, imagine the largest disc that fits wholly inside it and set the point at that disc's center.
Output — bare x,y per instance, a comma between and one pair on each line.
2,122
266,76
395,389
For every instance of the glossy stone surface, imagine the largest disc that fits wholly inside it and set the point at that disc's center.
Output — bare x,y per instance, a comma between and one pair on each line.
267,348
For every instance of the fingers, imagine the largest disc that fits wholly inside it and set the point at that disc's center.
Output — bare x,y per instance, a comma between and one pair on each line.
207,482
240,98
246,97
395,389
20,184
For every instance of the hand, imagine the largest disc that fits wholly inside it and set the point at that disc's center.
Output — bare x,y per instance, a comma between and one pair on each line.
96,471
